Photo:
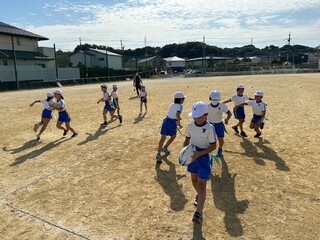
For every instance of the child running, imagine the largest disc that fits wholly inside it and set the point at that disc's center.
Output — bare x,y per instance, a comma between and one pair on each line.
64,117
115,98
108,107
259,113
46,114
201,134
216,109
169,125
239,113
143,99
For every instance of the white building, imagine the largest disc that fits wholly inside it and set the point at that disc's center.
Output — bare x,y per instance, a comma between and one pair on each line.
93,58
175,64
20,48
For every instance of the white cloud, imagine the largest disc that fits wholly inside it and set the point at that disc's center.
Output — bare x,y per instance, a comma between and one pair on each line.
168,21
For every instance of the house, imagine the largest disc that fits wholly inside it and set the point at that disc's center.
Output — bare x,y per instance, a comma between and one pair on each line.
96,58
207,62
156,63
21,59
175,64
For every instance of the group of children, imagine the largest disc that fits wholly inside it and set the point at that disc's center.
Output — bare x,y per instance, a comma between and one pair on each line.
208,126
54,101
203,132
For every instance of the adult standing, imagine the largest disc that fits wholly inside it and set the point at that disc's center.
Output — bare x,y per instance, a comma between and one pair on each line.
137,83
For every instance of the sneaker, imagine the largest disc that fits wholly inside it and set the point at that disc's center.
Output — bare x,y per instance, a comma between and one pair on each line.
243,134
120,118
140,113
36,126
262,125
104,124
165,150
219,154
74,135
257,135
65,132
235,129
195,201
158,157
38,137
197,218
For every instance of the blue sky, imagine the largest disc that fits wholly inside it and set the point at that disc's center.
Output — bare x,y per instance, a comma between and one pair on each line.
224,23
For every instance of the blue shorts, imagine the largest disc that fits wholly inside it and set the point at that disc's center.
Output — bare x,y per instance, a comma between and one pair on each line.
255,119
219,128
169,127
64,117
115,102
46,113
144,100
239,113
109,107
201,166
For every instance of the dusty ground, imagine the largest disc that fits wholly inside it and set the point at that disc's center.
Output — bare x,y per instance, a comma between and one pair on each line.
105,183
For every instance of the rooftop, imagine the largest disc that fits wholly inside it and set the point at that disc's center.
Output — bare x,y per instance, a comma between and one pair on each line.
14,31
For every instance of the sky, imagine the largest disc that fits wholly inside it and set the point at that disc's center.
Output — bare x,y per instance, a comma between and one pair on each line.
136,23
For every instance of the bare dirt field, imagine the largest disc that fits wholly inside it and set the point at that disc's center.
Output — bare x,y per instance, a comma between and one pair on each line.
105,184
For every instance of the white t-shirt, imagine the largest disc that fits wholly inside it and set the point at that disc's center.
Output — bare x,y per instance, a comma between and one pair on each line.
237,99
174,108
45,103
257,107
215,112
201,136
62,105
106,95
143,94
114,94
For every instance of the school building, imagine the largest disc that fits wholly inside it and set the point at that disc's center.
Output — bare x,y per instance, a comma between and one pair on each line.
23,61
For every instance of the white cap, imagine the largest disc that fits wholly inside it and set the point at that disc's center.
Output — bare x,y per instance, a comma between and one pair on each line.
58,91
114,86
179,95
215,95
240,86
49,94
198,109
259,93
104,85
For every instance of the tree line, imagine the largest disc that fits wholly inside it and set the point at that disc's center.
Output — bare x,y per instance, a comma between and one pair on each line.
190,50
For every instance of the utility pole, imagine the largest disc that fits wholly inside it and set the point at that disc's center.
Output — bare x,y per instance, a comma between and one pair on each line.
122,60
289,38
203,55
107,63
80,40
55,61
15,64
145,52
251,41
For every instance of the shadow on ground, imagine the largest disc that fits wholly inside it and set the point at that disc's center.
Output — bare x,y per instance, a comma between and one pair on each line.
224,197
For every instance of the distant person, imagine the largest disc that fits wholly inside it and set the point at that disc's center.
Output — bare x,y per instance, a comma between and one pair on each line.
46,114
239,112
64,117
108,105
259,113
137,83
201,134
216,109
143,99
170,124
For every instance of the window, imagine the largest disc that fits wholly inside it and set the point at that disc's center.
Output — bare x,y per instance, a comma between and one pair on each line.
100,59
18,41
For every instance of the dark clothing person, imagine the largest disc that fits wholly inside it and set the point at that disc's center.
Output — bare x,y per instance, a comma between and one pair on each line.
137,83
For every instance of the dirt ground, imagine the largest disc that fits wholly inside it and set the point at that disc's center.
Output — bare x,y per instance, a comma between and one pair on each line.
105,184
